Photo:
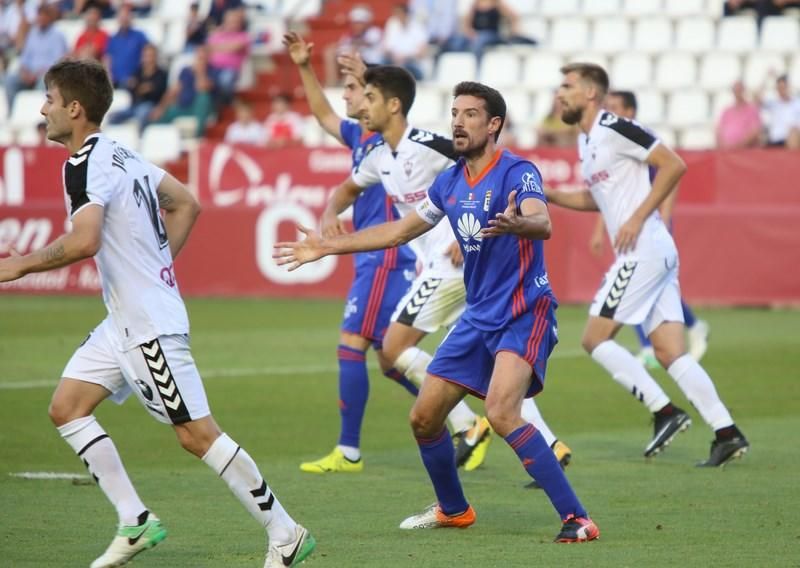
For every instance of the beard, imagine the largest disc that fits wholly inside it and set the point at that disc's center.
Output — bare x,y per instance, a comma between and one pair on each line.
572,116
473,149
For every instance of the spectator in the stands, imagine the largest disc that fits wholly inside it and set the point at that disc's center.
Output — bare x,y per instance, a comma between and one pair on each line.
191,96
141,8
552,131
440,18
283,126
124,52
228,46
93,40
483,27
245,129
216,14
740,124
405,41
77,7
147,87
196,28
361,37
783,115
44,45
763,8
15,19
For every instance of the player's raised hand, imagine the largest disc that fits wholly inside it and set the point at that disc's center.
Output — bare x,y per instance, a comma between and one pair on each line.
298,49
352,64
627,235
506,222
9,266
453,252
296,254
330,225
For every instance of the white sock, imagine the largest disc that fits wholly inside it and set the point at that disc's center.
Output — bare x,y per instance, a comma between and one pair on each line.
351,453
98,452
628,371
240,472
530,413
699,389
413,363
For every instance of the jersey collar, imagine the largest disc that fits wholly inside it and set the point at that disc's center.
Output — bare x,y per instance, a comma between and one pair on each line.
472,182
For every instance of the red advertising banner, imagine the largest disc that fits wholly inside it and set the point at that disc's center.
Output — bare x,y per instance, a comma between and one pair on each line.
735,222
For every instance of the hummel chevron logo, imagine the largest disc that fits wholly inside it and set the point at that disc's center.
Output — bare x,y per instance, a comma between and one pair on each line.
617,290
163,377
150,349
425,291
173,404
168,390
260,492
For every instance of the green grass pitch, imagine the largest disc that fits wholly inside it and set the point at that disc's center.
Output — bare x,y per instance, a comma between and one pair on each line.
270,372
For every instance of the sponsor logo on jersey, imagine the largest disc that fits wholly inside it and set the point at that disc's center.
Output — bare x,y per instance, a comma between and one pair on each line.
469,228
530,184
596,178
542,281
351,307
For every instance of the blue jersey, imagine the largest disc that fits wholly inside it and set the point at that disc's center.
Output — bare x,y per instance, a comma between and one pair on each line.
504,275
373,206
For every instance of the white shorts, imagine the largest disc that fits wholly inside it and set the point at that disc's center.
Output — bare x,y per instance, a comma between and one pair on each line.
160,372
432,303
643,292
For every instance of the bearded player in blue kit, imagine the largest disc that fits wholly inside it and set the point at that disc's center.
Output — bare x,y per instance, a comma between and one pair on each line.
498,351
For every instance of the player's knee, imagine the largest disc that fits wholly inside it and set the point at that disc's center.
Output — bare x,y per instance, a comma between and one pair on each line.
422,424
667,356
502,420
589,343
62,411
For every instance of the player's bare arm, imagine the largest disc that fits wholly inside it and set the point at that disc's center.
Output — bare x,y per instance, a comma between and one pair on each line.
180,211
532,221
670,169
579,200
378,237
82,241
341,198
321,108
598,239
455,254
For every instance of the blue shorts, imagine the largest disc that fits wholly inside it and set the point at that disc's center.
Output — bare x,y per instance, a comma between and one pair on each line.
372,299
466,356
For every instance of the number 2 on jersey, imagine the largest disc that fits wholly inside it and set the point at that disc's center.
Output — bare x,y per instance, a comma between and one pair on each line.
145,195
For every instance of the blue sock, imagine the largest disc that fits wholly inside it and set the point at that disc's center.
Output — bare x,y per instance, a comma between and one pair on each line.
541,464
688,314
401,380
644,341
439,458
353,393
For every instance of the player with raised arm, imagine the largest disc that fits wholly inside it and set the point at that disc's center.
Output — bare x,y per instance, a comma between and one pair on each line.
499,348
381,278
113,198
641,286
624,105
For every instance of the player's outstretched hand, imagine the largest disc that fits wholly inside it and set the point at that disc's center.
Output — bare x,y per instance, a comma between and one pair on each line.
296,254
627,235
506,222
298,49
453,252
331,226
9,267
352,64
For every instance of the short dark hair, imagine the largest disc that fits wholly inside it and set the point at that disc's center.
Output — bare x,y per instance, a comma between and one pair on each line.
85,81
590,71
495,103
628,99
393,81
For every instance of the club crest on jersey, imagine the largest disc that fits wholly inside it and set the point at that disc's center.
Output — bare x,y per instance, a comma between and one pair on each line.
487,199
408,167
469,228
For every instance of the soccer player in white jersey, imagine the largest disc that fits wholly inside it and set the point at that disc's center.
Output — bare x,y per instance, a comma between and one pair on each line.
641,286
113,199
406,163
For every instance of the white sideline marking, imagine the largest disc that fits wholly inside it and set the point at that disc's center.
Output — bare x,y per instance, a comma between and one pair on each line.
252,372
48,475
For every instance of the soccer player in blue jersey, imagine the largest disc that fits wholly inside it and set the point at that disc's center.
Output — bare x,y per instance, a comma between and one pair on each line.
381,279
498,350
624,104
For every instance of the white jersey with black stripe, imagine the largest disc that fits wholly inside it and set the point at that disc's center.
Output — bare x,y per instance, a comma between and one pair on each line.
134,260
406,174
614,169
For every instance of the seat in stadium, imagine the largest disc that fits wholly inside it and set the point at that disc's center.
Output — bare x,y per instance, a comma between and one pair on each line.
568,35
161,143
719,102
611,35
542,69
126,134
334,96
524,8
688,108
455,67
695,35
638,8
675,71
173,11
681,8
500,68
737,34
666,134
121,101
174,38
312,133
3,105
25,109
176,65
719,70
759,65
794,71
651,107
589,57
697,138
631,71
542,103
552,8
652,35
597,8
428,106
519,107
780,34
298,10
536,28
71,30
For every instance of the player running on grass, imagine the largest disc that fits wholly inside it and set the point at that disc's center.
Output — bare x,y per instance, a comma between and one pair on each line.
113,198
498,350
641,286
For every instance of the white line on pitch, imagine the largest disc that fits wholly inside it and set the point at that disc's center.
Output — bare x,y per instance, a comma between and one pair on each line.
48,475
